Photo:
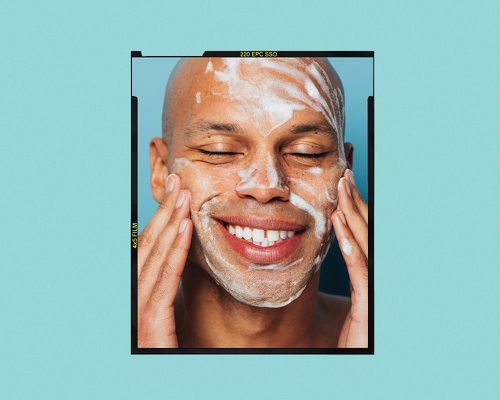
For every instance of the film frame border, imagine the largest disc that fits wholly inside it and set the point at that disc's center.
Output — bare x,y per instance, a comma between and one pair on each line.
370,350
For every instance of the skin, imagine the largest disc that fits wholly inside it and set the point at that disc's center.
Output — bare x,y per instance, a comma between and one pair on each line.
212,146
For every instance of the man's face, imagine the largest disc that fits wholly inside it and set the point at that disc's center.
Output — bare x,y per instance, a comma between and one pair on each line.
257,142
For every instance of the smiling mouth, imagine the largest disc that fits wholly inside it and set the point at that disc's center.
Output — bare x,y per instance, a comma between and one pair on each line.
259,237
261,241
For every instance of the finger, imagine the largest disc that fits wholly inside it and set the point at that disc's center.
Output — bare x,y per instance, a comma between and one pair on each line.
358,199
355,259
163,245
148,236
167,284
355,221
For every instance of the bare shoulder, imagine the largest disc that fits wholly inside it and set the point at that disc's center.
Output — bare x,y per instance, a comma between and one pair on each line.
332,312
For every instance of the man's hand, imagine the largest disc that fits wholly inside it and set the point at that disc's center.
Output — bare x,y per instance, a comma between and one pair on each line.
163,248
350,221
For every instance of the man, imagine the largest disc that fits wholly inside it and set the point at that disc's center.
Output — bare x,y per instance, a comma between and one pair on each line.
252,179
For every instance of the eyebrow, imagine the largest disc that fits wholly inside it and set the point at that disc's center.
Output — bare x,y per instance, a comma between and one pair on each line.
203,126
314,127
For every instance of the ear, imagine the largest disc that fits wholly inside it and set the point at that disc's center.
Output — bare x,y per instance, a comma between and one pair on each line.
349,154
158,156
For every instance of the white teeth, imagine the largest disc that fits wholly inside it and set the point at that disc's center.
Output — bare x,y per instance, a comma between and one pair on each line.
257,234
247,233
239,231
259,237
273,236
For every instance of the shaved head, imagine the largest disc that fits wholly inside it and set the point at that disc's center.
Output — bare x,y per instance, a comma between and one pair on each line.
258,85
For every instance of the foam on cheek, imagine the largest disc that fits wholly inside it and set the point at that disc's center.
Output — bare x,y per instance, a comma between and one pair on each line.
179,164
330,197
198,97
322,254
319,218
306,186
202,184
316,170
325,197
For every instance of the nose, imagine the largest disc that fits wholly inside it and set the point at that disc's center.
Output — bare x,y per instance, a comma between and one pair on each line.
263,181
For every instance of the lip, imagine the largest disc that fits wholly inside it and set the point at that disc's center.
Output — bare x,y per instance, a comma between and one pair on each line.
263,255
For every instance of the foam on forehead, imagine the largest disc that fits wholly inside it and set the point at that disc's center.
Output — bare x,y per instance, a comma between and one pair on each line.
267,90
273,89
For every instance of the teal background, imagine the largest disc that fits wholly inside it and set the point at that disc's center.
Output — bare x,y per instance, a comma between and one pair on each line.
65,173
149,79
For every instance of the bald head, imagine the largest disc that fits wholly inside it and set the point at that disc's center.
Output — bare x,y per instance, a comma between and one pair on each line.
266,90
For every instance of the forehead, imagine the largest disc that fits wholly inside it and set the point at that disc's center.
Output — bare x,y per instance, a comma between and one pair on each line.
267,92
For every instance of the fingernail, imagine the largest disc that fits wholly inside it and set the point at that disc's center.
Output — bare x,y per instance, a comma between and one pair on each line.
180,199
342,217
182,226
350,175
170,183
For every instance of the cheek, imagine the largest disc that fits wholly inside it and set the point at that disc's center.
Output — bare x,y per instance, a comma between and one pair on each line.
204,184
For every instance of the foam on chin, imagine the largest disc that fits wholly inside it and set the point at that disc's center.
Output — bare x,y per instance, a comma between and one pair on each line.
274,286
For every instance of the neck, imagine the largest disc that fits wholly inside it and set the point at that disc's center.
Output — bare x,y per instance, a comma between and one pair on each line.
208,316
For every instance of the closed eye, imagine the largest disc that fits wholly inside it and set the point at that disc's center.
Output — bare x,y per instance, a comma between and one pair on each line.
218,153
310,155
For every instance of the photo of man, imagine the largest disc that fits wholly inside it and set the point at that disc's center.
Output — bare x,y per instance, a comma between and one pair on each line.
254,183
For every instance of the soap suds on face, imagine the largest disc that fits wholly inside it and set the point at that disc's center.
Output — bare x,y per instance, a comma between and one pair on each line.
277,99
330,198
179,164
325,197
256,292
210,67
272,174
346,246
284,303
245,174
303,184
271,101
274,267
248,178
316,170
319,218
